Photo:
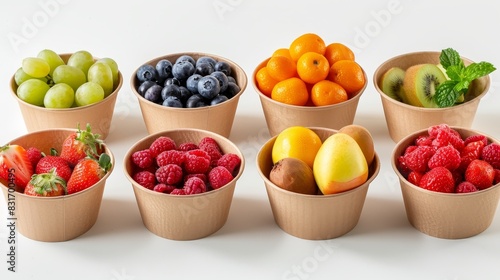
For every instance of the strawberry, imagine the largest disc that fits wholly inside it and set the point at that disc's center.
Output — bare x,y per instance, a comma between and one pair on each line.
15,166
81,144
470,152
480,173
87,172
46,184
34,155
60,165
438,179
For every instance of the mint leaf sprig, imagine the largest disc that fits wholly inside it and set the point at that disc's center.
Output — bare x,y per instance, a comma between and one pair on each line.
461,77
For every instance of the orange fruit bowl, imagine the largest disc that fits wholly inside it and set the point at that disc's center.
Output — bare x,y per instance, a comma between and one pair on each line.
279,115
99,115
404,119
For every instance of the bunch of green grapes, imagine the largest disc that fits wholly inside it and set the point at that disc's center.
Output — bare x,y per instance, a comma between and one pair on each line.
46,80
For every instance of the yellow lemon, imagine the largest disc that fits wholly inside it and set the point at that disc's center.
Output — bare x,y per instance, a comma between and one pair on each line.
296,142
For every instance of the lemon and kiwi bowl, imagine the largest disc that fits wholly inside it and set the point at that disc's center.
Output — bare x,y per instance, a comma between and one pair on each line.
63,90
426,88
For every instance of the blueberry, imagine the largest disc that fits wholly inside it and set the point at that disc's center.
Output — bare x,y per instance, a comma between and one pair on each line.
172,81
172,101
146,73
144,86
186,58
195,101
205,59
153,93
182,70
223,67
231,79
204,68
164,69
170,90
218,99
222,78
232,90
192,83
208,87
185,94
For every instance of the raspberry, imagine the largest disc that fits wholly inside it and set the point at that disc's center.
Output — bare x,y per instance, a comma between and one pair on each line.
202,176
446,156
491,154
480,173
415,177
410,149
196,161
145,178
433,131
470,152
178,192
188,146
170,157
142,158
477,137
438,179
162,143
230,162
418,158
170,174
219,176
402,166
34,155
465,187
163,188
194,185
447,137
208,142
423,140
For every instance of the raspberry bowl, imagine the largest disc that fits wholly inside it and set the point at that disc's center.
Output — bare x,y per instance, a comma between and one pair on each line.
218,117
279,115
99,115
59,218
403,119
198,207
446,210
313,217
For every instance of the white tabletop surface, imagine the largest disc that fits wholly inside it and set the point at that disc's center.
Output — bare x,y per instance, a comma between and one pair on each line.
383,245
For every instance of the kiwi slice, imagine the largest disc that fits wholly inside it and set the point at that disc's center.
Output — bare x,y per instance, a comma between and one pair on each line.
392,83
420,84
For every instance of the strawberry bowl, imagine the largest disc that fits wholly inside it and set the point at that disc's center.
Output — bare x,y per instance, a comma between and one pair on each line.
179,210
451,210
57,218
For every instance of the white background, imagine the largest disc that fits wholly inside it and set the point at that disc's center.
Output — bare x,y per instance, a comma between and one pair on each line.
250,245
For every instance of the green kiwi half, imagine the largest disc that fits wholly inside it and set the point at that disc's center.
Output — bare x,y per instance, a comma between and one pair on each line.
420,84
392,84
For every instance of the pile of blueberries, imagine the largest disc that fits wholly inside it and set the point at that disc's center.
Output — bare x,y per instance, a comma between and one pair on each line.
187,83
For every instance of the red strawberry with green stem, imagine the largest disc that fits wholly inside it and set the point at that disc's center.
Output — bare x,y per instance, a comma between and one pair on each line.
15,166
46,184
81,144
60,165
87,172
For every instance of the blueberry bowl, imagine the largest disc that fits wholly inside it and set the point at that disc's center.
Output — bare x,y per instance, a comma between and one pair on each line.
171,94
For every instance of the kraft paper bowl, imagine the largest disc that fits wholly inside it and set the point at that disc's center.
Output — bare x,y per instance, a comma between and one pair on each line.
54,219
98,115
403,119
218,118
183,217
446,215
313,217
280,115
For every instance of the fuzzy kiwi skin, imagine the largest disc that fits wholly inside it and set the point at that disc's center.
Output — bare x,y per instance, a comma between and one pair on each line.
419,79
392,84
294,175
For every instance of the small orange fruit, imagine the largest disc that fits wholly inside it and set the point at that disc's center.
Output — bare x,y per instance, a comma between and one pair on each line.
282,52
308,42
264,81
291,91
281,67
312,67
327,93
338,51
348,74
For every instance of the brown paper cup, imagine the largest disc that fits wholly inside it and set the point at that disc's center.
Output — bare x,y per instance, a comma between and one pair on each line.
403,119
442,215
218,118
54,219
98,115
313,217
184,217
280,116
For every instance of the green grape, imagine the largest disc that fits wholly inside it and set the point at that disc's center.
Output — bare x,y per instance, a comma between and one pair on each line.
70,75
101,73
52,58
59,96
20,76
114,68
88,93
33,91
35,67
82,60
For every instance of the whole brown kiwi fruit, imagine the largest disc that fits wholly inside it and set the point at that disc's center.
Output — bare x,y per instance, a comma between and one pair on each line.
294,175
